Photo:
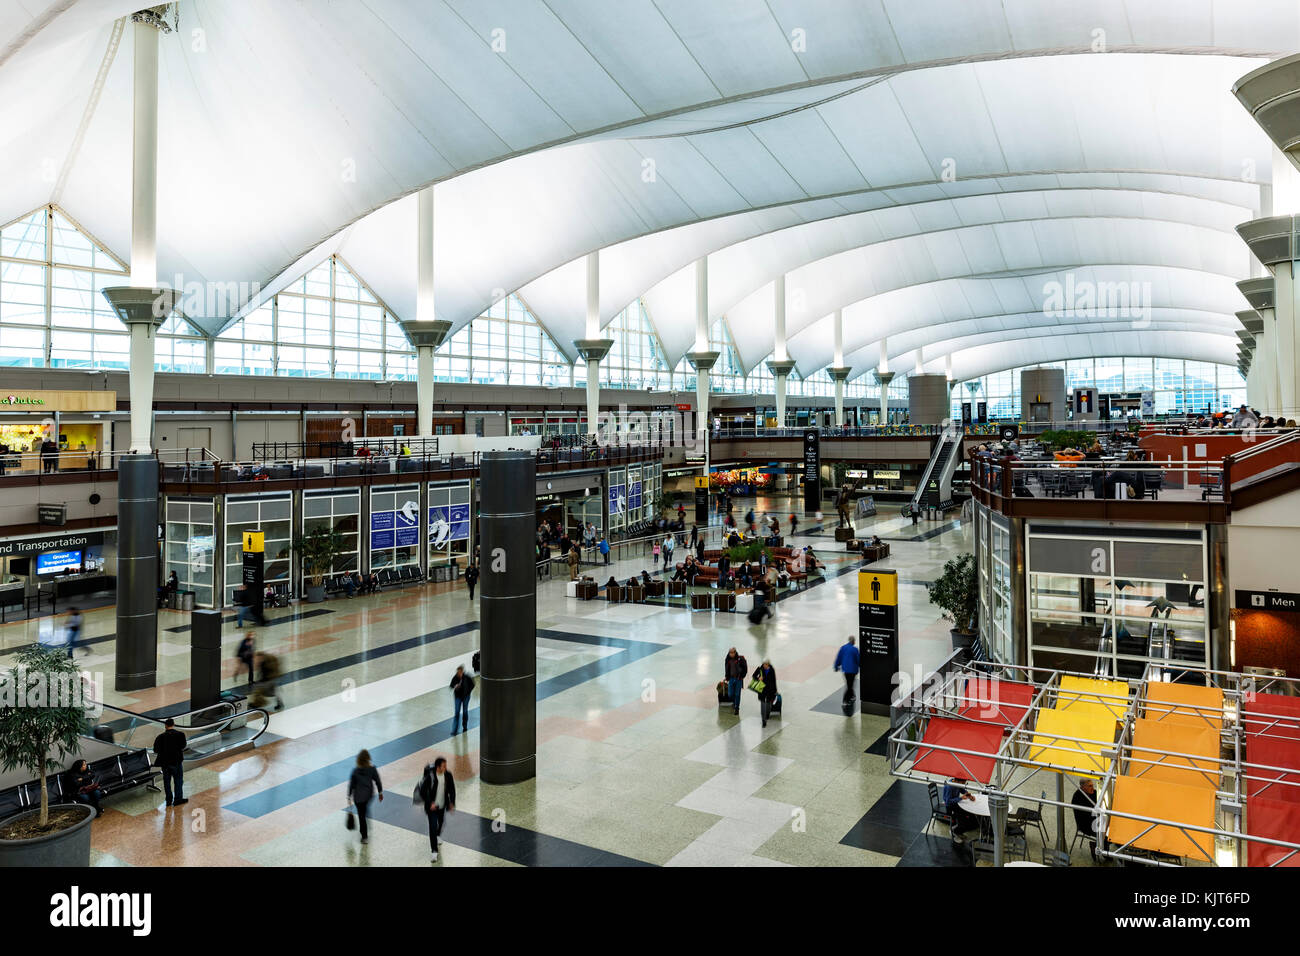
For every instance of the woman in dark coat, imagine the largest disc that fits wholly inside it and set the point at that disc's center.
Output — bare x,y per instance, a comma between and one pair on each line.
362,787
767,674
84,786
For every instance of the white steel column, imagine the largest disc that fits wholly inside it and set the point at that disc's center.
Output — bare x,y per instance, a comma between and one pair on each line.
780,363
837,371
144,158
593,348
424,312
702,357
884,376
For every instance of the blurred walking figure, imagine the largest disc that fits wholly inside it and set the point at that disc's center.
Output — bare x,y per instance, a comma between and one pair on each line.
362,787
246,655
436,791
471,579
848,660
74,631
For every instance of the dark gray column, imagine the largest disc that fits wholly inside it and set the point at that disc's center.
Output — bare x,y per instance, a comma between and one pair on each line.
137,572
508,617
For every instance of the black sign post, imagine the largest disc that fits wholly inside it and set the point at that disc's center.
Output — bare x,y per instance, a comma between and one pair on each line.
965,413
812,471
254,566
982,412
702,499
878,637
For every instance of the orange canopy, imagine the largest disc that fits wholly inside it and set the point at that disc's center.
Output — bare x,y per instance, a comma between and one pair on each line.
1150,736
1190,806
1189,704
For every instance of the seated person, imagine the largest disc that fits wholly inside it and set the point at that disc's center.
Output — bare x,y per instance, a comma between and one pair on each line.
811,562
733,540
172,583
632,582
645,576
84,786
724,570
744,576
963,821
268,596
349,586
372,583
357,583
1085,803
685,571
612,583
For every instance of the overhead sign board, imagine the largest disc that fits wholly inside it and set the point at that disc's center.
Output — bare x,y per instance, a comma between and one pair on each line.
1266,601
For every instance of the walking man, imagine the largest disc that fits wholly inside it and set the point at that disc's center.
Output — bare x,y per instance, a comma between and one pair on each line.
572,559
462,685
169,747
471,578
604,549
848,661
437,791
74,631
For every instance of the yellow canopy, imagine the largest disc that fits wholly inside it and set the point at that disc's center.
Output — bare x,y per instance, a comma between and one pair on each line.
1153,735
1094,726
1082,692
1188,704
1192,806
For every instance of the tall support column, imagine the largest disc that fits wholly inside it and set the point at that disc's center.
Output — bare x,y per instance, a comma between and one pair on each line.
884,376
780,363
508,617
702,358
838,372
426,332
593,348
136,648
1264,361
1275,243
781,370
142,307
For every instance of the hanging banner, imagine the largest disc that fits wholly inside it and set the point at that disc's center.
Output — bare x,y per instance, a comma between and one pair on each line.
1148,407
982,412
812,471
878,637
965,413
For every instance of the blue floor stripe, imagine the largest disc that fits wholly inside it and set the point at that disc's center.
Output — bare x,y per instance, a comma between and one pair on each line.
336,774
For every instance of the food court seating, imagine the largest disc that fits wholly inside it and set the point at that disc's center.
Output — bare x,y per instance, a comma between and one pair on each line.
937,810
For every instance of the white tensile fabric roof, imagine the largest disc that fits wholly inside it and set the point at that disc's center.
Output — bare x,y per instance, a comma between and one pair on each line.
928,167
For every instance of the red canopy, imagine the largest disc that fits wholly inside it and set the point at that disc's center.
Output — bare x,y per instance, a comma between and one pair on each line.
1273,714
984,739
1283,752
1272,820
995,701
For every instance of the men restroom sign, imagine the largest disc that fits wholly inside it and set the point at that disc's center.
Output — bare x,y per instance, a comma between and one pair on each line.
878,637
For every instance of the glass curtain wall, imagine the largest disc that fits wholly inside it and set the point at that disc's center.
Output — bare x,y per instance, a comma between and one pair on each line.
53,313
191,546
272,514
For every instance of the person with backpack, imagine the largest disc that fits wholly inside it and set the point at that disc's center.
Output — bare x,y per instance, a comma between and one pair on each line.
462,685
604,549
363,784
848,660
766,675
436,792
471,578
734,670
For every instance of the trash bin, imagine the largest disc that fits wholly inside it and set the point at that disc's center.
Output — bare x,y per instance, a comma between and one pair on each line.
187,600
103,732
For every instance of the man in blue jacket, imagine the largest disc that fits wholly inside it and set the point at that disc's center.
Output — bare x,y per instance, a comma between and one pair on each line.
847,660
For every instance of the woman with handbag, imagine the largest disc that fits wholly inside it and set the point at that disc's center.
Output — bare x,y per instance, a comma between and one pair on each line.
362,786
764,684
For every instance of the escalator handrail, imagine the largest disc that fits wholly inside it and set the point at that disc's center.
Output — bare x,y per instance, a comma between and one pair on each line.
215,726
919,494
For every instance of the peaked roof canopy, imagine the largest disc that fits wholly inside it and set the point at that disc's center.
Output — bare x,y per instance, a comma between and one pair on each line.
926,167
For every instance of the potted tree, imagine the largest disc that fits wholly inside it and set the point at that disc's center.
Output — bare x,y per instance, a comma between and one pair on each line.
43,710
317,550
956,593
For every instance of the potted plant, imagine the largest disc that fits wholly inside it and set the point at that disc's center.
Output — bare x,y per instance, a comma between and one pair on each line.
956,593
318,550
43,709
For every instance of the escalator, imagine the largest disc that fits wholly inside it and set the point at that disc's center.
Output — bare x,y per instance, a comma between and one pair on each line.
934,490
118,750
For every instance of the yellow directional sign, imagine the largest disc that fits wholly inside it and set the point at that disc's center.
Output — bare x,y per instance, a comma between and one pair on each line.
254,542
701,482
878,587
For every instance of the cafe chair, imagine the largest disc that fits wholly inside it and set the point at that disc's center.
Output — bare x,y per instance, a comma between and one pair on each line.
937,811
1025,817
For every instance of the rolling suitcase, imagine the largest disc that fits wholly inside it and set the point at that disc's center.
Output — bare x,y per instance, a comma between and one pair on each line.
776,705
724,698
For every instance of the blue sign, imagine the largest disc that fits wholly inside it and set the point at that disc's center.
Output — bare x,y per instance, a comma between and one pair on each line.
617,499
448,524
634,494
56,561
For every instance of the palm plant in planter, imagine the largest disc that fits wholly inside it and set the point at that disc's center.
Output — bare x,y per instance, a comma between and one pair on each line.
956,593
43,711
318,549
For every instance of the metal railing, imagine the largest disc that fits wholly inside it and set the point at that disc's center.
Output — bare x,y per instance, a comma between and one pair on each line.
204,740
1098,479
